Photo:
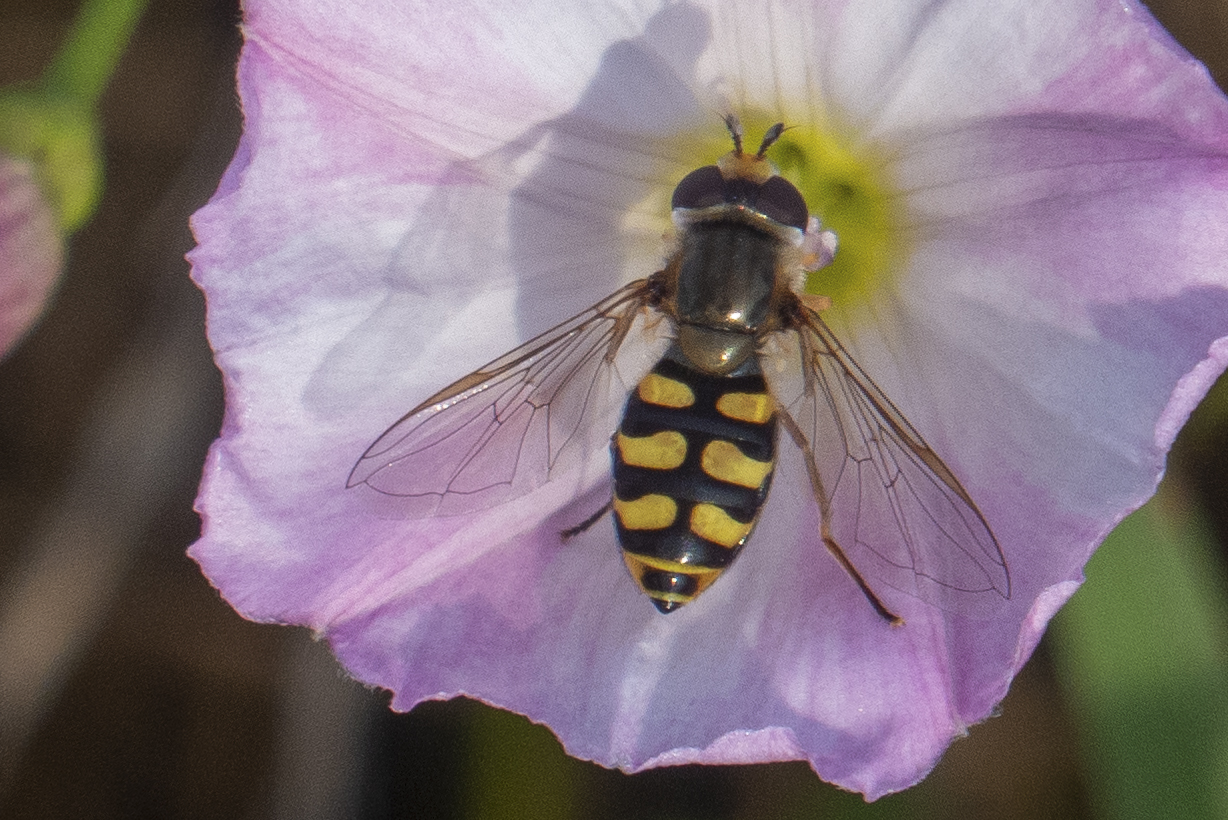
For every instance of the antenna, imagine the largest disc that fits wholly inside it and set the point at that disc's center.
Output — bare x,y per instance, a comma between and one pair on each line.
770,137
735,131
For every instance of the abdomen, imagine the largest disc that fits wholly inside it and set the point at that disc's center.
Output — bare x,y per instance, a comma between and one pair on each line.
693,459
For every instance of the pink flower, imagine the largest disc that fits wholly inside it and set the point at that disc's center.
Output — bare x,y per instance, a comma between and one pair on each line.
1031,201
31,250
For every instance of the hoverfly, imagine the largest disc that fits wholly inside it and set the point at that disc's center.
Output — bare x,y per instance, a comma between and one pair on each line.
695,450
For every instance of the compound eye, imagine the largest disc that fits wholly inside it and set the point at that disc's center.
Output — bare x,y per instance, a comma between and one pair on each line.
780,201
702,188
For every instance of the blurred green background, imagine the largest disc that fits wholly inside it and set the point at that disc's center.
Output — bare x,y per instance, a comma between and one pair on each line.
134,692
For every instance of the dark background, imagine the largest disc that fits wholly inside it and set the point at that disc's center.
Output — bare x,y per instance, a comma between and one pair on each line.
137,693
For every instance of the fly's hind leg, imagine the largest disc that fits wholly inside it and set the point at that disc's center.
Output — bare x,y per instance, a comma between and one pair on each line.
820,497
572,532
879,607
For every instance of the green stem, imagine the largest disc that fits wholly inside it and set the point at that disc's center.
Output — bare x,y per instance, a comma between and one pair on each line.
98,38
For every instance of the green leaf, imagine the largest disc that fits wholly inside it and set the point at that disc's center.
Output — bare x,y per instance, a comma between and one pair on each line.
1142,651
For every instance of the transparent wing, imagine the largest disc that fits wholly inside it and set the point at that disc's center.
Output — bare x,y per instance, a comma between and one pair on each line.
892,512
509,426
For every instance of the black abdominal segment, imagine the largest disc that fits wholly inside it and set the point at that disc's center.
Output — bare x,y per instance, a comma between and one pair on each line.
693,460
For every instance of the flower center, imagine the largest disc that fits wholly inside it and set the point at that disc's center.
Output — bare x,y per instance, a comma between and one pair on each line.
848,192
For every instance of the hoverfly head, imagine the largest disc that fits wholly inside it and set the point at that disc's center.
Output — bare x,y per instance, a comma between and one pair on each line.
746,181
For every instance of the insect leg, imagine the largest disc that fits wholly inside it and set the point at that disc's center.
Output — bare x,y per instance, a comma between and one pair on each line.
572,532
838,554
820,496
